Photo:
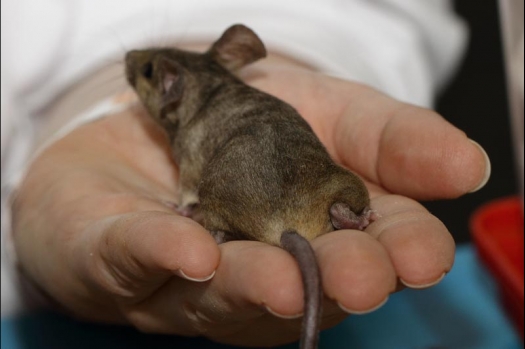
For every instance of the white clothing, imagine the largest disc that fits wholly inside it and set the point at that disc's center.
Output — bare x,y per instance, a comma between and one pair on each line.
405,48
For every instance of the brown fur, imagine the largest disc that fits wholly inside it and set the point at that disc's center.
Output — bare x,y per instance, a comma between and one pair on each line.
249,160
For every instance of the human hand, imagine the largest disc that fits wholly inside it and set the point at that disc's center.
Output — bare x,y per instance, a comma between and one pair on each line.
403,152
93,230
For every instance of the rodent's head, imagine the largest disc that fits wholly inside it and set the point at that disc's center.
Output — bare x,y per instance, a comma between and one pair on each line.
173,84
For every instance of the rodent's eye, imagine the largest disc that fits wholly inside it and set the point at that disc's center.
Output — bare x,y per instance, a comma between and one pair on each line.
147,70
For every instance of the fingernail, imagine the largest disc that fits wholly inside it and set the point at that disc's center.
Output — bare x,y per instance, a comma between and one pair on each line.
281,316
421,286
362,312
184,276
488,168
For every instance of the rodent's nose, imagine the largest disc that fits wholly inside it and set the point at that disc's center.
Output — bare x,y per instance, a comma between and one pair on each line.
131,59
131,56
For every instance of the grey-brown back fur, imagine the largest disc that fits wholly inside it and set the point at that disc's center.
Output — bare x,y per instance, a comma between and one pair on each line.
269,172
249,159
249,162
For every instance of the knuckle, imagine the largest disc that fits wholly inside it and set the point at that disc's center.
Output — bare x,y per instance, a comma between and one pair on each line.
142,321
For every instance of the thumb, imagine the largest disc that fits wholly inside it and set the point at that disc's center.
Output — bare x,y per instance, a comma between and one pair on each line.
423,156
407,149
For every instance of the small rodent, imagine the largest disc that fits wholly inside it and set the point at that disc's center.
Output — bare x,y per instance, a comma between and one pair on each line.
249,163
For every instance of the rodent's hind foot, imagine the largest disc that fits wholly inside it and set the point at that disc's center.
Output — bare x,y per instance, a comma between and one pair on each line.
189,211
342,217
221,236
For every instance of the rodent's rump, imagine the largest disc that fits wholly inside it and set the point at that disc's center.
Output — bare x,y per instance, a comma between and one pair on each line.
249,163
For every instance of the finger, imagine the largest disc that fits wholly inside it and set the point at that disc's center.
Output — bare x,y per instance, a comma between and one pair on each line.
419,245
406,149
133,254
356,270
446,165
260,288
263,275
254,283
252,280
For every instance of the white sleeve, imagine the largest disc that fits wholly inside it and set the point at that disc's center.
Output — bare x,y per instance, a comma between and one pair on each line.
405,48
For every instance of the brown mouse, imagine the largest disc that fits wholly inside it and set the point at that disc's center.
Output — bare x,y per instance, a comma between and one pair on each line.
249,163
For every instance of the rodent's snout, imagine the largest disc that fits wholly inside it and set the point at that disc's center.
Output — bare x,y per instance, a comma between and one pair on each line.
139,63
130,60
135,61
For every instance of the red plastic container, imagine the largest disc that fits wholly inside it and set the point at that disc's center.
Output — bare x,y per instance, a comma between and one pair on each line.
497,230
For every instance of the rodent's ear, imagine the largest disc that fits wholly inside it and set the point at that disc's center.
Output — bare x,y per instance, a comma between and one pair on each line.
237,47
170,84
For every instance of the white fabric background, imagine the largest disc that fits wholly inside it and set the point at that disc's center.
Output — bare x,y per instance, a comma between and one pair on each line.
406,48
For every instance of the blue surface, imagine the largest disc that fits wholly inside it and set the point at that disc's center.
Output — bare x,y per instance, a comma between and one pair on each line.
462,312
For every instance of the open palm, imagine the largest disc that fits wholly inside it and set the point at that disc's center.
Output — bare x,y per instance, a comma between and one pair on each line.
95,229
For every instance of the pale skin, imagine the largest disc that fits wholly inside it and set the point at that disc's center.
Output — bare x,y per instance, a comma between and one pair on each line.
92,229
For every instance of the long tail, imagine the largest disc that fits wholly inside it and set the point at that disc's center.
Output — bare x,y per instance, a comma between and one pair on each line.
303,253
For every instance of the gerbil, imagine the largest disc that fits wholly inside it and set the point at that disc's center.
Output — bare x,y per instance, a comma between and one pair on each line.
249,163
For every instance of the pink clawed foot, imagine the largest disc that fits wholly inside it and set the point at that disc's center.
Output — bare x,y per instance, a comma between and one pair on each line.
185,211
368,217
222,236
343,217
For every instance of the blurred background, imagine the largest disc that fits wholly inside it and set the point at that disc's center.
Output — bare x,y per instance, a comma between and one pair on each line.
476,102
463,311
